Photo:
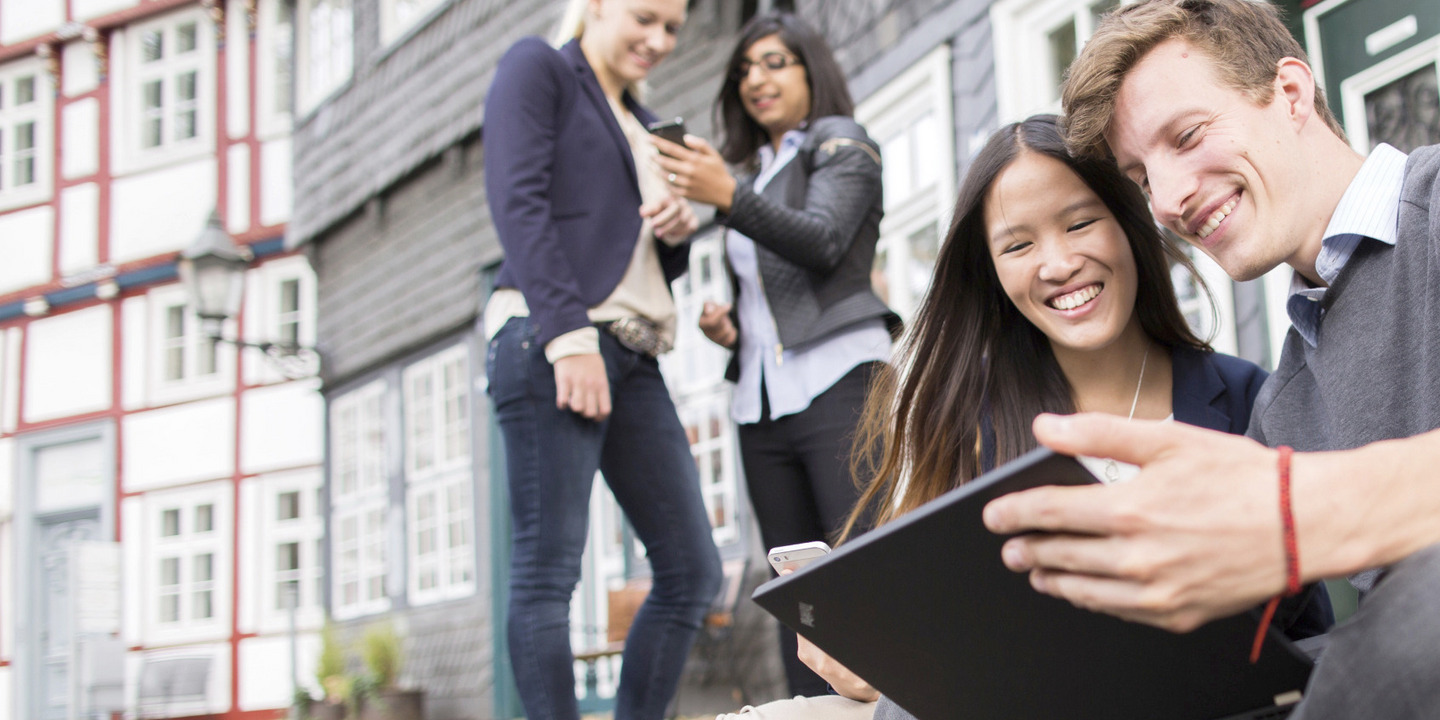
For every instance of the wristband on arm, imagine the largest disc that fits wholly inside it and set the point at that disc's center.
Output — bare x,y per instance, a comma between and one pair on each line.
1292,553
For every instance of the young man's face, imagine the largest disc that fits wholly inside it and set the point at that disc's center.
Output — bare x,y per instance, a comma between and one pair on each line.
1220,171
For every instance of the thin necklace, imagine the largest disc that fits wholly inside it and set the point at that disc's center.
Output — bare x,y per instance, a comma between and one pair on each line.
1112,470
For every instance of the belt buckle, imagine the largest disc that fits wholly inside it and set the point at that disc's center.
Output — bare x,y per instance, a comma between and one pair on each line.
639,335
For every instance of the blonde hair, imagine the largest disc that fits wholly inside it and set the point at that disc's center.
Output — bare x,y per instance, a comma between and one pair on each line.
572,23
1245,39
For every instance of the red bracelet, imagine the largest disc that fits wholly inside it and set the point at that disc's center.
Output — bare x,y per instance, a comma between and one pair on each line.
1292,553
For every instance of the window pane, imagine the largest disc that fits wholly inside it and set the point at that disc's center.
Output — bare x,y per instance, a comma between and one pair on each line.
25,90
287,556
185,85
169,572
185,37
170,608
287,506
204,608
205,351
1062,52
204,518
204,567
152,45
284,591
289,312
282,48
24,154
1406,112
170,523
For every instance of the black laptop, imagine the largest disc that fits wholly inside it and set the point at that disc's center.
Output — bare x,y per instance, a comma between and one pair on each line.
925,611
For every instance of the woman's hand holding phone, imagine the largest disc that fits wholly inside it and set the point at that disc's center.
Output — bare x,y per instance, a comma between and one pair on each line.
695,171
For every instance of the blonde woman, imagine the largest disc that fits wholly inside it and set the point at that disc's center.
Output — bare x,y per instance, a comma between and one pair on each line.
592,237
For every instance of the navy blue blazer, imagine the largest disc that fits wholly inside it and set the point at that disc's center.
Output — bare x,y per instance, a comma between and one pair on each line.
1213,390
561,184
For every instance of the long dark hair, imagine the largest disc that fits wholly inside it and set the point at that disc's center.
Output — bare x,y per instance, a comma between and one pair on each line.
829,95
972,359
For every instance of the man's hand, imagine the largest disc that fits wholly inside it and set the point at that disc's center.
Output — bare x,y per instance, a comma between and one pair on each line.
1194,537
698,171
582,386
671,218
716,324
845,682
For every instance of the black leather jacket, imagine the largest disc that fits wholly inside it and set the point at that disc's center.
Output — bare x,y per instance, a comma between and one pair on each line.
815,226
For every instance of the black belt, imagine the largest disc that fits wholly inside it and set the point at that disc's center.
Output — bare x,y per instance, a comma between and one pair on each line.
638,334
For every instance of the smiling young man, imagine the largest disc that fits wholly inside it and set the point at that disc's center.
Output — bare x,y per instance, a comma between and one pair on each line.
1210,106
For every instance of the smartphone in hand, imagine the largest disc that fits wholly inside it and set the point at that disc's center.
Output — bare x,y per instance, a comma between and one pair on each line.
672,130
794,557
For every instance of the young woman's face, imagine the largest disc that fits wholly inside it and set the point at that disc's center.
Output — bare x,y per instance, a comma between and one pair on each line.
1059,253
774,88
632,36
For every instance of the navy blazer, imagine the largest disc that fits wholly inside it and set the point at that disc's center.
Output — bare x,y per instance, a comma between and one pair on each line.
561,184
1213,390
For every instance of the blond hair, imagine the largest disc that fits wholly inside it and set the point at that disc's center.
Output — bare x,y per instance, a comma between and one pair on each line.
1245,39
572,23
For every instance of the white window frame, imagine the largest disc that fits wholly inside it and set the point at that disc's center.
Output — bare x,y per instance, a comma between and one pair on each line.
39,112
278,23
923,90
320,69
133,75
696,364
711,432
186,548
193,384
398,17
264,316
308,531
1354,88
1020,30
440,565
357,444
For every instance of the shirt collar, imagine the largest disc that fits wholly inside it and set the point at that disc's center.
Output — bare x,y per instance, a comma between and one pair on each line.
1370,208
788,142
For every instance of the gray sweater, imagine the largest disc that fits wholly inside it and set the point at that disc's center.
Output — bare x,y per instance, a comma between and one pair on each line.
1374,374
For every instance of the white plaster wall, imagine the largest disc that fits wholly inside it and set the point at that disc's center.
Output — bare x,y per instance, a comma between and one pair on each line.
237,69
68,364
79,228
237,190
9,379
80,138
25,244
7,698
182,443
265,674
86,9
25,20
7,487
82,70
133,546
8,595
281,426
162,210
247,560
134,350
275,181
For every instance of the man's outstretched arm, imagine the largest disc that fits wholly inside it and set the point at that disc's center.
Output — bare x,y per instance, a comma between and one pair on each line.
1197,535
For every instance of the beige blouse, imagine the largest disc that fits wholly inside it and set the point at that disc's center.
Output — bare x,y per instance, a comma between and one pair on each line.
642,290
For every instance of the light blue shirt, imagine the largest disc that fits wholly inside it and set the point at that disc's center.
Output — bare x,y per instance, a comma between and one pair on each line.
1370,208
792,378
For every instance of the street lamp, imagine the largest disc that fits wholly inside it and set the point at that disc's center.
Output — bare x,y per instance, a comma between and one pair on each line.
213,272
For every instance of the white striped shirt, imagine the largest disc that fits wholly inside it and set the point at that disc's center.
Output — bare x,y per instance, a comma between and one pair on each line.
1370,208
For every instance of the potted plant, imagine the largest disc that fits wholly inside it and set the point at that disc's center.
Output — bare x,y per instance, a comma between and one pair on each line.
384,699
337,684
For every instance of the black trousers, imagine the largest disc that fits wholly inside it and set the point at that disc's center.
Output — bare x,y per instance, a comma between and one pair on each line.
797,469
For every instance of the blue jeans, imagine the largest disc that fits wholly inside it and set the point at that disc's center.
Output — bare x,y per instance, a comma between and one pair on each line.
551,457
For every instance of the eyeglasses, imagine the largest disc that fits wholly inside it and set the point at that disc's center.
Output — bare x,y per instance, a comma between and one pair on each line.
770,62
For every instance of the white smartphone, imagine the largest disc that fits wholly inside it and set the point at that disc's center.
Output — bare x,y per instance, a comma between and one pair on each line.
794,557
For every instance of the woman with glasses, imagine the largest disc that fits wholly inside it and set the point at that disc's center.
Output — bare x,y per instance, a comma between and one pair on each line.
807,329
592,237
